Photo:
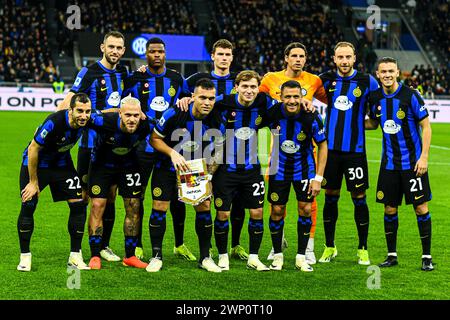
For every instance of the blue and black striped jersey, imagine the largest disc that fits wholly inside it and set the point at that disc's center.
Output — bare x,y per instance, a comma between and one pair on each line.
347,108
56,138
113,147
241,148
156,92
294,157
191,137
224,84
399,115
103,86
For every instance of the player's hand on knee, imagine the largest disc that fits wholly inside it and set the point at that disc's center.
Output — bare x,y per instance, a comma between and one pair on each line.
183,103
307,105
421,167
29,191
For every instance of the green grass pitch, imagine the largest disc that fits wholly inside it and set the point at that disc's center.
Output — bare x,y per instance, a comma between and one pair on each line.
341,279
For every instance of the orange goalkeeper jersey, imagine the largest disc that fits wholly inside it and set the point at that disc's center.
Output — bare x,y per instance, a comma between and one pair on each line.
312,86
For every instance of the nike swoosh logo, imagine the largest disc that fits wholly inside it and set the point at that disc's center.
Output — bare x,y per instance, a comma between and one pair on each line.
208,225
145,92
359,185
232,120
153,225
220,232
417,198
424,237
79,193
388,233
378,115
261,202
135,193
364,224
258,232
80,231
331,90
309,197
24,230
306,234
103,89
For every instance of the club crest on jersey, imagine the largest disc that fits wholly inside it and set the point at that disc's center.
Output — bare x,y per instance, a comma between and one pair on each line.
114,99
159,104
274,196
218,202
190,146
244,133
301,136
171,91
258,120
400,114
390,127
342,103
157,192
96,190
380,195
357,92
44,134
289,146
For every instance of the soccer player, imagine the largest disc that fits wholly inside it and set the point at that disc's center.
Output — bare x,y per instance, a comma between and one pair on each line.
102,81
193,124
294,129
47,161
242,171
295,55
157,88
347,91
114,163
401,113
223,79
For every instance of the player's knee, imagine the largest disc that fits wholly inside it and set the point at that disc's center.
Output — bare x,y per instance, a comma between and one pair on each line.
332,192
256,213
160,205
390,210
204,206
358,194
304,209
277,212
98,208
223,215
421,209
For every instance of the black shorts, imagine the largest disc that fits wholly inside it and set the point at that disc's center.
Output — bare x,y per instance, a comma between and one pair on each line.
248,184
164,185
279,191
146,162
392,184
64,182
352,165
84,157
101,179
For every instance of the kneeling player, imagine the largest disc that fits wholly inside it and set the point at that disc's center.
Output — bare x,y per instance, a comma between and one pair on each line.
294,130
400,111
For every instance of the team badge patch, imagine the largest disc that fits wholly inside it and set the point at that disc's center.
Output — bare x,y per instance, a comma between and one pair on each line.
324,182
301,136
258,120
96,190
171,91
218,202
274,196
357,92
400,114
157,192
233,91
380,195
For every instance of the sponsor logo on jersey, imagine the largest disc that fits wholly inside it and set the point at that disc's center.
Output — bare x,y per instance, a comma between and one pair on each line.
159,104
390,127
114,99
342,103
244,133
289,146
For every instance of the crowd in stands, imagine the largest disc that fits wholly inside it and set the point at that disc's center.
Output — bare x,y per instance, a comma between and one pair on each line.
429,81
260,42
24,49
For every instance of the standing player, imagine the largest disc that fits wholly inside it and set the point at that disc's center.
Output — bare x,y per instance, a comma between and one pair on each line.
401,113
241,171
157,88
347,91
114,163
223,79
47,161
194,124
295,56
102,81
295,129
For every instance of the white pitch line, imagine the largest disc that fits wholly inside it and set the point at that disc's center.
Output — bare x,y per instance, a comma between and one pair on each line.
433,146
429,163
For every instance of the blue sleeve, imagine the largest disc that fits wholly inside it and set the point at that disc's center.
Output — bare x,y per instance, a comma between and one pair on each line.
96,121
82,81
44,132
270,101
373,84
419,110
318,129
166,123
